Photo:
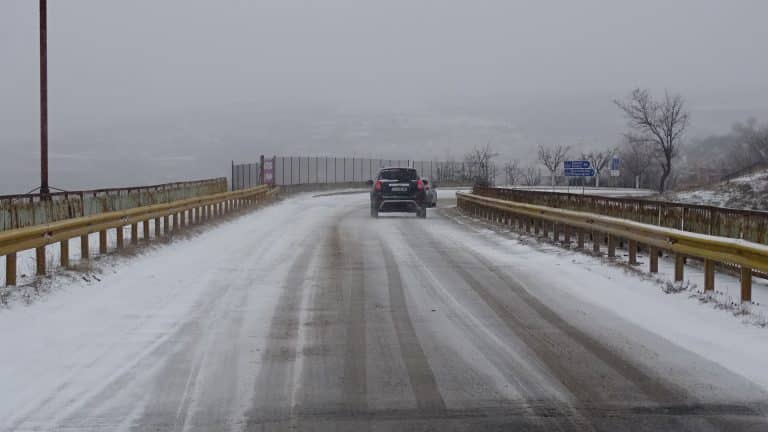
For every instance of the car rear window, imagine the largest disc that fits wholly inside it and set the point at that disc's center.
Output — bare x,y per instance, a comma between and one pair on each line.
399,174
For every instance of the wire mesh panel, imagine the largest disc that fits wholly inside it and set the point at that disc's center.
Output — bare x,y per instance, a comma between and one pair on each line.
245,176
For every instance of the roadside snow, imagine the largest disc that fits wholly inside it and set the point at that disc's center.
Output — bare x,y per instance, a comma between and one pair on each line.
85,336
733,341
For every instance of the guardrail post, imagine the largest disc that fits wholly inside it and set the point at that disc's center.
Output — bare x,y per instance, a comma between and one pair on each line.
166,224
746,284
145,229
40,260
709,275
157,227
567,235
580,239
653,259
632,252
102,242
545,229
556,228
175,222
10,269
64,253
596,242
119,235
134,233
679,267
611,246
85,253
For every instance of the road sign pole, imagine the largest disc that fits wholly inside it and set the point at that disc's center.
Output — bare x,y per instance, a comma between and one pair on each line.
44,190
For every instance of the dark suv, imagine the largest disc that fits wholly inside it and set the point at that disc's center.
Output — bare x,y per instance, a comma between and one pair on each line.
398,190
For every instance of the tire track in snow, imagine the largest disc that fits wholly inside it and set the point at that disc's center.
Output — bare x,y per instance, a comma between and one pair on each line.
420,374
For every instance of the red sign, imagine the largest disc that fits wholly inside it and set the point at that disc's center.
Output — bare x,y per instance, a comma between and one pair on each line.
269,171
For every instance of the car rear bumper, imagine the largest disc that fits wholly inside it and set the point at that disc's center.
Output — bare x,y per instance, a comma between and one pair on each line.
399,205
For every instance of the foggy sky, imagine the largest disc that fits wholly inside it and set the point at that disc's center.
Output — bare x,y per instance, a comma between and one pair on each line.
137,83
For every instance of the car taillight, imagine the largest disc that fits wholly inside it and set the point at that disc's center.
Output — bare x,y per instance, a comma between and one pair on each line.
419,185
377,186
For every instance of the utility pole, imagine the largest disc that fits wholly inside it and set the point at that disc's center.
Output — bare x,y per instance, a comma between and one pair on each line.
44,190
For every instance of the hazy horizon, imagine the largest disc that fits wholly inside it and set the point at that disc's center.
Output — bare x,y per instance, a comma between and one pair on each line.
144,92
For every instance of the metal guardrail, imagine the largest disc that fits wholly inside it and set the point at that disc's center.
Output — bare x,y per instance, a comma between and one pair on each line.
168,217
748,256
18,211
750,225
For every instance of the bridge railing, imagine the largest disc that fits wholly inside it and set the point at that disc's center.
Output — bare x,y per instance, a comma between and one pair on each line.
750,225
19,211
563,223
165,218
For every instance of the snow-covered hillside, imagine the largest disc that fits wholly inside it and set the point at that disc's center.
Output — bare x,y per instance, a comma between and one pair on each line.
746,192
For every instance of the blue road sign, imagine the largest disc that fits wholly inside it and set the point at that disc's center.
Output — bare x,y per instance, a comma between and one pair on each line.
580,172
576,164
615,164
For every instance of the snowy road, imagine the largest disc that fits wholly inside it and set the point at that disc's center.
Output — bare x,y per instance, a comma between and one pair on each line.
310,315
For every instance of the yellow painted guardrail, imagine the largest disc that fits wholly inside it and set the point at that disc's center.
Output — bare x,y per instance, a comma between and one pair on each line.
528,217
167,218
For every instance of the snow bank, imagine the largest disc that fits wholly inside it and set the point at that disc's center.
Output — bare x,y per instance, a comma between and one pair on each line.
708,329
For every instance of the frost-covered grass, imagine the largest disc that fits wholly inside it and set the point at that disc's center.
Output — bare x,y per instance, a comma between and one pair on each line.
746,192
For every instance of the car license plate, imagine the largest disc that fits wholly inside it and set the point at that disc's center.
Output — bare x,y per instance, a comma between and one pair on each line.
399,189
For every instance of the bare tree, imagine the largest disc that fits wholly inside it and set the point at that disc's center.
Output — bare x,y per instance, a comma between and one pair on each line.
512,171
637,157
531,176
754,137
480,162
661,122
598,160
552,158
